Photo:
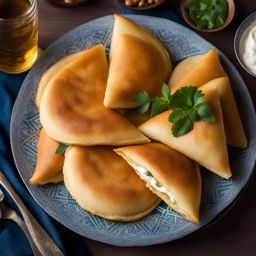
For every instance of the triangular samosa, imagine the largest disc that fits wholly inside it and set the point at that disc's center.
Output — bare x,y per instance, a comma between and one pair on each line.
71,107
205,143
196,70
138,62
232,122
169,174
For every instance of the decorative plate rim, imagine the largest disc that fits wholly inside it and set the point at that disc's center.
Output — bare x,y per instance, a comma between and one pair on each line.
98,235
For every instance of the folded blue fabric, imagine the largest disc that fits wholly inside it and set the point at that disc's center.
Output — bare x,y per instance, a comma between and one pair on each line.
12,240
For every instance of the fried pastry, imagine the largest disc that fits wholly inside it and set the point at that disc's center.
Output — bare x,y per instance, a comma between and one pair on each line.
105,185
138,62
172,176
71,107
196,70
48,165
205,143
50,72
232,122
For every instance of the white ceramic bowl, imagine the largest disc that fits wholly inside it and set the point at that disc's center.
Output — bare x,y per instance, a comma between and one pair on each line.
239,33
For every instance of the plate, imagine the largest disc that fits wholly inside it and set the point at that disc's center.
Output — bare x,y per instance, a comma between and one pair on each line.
163,224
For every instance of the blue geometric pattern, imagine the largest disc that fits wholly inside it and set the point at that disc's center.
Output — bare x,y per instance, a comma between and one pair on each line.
163,224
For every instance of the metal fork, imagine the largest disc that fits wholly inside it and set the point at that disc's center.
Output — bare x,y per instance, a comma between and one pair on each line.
43,241
8,213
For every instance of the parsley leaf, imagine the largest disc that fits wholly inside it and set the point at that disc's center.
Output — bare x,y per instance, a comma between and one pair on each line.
205,113
144,108
148,173
181,127
188,107
193,115
178,114
208,13
183,98
143,100
187,104
61,149
198,97
166,92
159,105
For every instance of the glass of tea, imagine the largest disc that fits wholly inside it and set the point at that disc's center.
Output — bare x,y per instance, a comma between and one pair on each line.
18,35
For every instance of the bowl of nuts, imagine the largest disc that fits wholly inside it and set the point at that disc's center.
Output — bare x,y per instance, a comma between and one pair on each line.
141,4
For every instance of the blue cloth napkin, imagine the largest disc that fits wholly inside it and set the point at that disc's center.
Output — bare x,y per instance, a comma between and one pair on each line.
12,240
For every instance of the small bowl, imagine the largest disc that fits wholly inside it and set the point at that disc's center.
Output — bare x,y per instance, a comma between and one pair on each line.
238,36
140,8
186,17
62,3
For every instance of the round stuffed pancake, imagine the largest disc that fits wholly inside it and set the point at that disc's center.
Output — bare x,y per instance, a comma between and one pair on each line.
103,184
51,72
71,105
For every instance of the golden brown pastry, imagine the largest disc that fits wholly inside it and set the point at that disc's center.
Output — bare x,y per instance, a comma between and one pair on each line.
138,62
104,184
71,107
205,143
184,67
50,72
196,71
232,122
48,165
169,174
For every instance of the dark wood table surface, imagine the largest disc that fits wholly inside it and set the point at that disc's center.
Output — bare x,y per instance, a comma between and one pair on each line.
235,233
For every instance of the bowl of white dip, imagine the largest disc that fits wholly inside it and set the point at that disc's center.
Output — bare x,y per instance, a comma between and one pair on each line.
245,44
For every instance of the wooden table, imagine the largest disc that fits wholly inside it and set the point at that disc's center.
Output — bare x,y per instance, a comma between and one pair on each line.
235,233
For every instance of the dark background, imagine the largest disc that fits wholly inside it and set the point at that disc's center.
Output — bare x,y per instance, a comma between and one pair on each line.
235,233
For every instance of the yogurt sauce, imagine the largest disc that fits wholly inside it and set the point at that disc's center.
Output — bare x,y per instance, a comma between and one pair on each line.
247,47
153,182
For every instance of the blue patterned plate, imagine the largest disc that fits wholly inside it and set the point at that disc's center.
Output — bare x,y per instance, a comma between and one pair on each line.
163,224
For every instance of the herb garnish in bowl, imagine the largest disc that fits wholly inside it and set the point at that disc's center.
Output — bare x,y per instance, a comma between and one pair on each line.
208,14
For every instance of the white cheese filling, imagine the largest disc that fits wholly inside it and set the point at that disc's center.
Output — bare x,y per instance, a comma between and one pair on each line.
153,182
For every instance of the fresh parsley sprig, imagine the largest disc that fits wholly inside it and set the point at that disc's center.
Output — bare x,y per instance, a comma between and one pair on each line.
162,103
187,106
159,104
208,13
143,100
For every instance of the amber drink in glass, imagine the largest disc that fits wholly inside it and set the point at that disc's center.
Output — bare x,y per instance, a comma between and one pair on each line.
18,35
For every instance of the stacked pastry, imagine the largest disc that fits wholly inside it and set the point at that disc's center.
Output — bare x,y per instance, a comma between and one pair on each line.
87,104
